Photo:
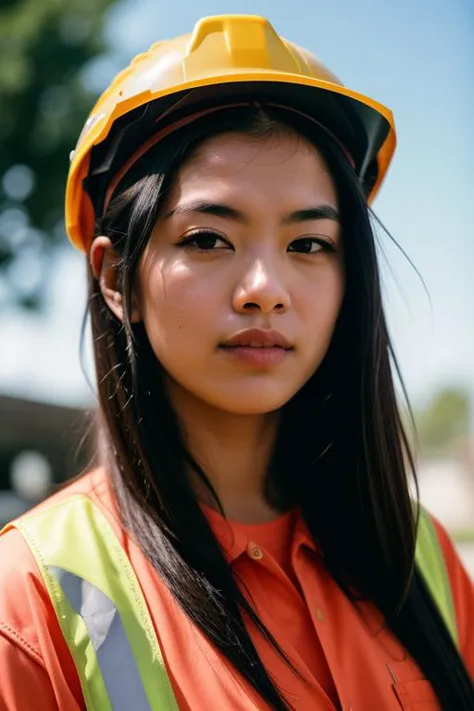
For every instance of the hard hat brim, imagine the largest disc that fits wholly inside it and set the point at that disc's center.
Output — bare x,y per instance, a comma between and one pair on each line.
364,126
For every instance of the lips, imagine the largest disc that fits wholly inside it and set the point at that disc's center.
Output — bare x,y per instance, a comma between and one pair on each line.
258,338
257,344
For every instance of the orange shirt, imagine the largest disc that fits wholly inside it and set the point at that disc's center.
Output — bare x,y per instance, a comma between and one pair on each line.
344,661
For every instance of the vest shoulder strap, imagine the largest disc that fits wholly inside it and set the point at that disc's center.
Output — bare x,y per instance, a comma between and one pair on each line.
100,607
431,563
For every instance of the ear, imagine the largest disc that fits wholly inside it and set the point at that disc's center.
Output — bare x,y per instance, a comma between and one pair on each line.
105,263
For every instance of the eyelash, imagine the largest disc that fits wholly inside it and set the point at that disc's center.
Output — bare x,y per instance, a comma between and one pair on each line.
191,240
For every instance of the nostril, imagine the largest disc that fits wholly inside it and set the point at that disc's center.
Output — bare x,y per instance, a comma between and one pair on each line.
250,306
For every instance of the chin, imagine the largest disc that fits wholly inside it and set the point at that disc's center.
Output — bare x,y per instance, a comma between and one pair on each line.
253,403
240,397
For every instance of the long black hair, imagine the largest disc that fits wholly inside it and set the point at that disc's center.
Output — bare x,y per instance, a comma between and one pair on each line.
342,451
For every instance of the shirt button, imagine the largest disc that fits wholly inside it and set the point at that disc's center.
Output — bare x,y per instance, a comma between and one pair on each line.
255,552
320,614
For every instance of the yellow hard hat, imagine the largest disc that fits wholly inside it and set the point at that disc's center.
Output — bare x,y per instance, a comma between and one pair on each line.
227,58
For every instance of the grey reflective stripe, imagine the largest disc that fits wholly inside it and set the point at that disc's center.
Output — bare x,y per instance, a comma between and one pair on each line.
105,629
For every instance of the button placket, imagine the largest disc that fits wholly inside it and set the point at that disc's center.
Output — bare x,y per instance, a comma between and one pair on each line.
320,614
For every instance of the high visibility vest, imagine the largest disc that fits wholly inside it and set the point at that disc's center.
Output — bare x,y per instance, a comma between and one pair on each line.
104,617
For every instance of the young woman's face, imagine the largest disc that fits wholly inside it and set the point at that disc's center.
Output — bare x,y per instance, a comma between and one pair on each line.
249,239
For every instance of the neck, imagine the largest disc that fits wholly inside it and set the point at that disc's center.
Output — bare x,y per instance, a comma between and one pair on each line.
233,450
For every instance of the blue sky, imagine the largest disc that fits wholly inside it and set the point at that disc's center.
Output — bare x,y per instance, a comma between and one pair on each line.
415,56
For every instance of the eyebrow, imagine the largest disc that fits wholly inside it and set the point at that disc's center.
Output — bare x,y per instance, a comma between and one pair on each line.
319,212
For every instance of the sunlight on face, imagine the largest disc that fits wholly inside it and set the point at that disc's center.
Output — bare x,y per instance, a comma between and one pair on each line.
249,239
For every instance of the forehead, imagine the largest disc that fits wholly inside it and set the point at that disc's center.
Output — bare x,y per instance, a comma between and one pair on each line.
282,163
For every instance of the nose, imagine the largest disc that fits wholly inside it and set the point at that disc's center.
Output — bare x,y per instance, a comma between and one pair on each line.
261,289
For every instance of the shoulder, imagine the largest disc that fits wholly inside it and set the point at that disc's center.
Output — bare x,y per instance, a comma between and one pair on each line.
32,646
34,657
21,593
23,598
462,588
458,575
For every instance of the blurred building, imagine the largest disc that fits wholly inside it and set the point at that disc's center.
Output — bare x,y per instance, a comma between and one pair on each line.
41,446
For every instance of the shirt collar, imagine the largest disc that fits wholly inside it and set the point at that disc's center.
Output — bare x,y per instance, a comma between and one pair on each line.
234,542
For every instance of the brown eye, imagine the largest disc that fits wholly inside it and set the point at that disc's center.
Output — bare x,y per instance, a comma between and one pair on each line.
310,245
205,241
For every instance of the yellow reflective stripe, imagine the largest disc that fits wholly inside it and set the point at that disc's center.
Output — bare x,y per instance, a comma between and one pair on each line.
430,560
75,535
75,633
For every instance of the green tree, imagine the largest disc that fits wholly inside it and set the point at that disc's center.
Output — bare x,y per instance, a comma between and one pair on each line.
445,418
44,47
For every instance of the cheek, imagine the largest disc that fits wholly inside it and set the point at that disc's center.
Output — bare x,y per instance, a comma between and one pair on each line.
176,304
321,301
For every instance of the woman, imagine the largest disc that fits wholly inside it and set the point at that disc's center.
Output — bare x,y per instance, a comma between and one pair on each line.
248,540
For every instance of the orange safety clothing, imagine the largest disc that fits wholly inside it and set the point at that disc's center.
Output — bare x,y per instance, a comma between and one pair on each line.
344,658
